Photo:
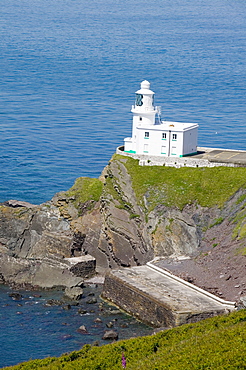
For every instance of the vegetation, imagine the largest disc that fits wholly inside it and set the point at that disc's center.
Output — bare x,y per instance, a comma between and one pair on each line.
242,251
218,221
241,199
180,186
239,231
85,189
112,187
216,343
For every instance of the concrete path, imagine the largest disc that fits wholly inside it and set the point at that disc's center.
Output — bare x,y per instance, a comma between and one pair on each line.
222,155
160,298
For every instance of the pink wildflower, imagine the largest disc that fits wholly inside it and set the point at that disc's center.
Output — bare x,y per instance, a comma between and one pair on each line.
123,361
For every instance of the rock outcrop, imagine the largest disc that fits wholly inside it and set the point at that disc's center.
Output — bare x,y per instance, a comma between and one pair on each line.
38,242
35,245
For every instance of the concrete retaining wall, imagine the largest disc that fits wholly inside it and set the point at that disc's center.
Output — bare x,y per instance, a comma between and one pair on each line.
148,160
155,303
137,303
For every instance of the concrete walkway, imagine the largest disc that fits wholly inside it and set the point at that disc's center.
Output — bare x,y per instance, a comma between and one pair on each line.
160,298
237,157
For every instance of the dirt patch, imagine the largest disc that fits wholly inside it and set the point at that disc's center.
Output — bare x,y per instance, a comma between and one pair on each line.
220,267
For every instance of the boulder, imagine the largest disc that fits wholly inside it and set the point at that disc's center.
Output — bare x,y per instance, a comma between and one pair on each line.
242,302
74,293
15,296
109,324
67,336
91,301
110,335
98,320
81,311
114,312
82,329
67,307
53,302
18,203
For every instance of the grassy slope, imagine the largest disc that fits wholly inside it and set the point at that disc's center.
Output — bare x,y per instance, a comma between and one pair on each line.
216,343
173,187
168,185
85,189
180,186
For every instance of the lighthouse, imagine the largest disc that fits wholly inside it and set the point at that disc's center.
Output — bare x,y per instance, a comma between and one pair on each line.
143,111
153,137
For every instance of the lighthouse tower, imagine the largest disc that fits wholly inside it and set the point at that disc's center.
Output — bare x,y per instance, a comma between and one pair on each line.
144,113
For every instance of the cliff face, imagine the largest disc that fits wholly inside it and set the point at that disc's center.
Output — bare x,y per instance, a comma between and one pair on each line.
34,242
114,223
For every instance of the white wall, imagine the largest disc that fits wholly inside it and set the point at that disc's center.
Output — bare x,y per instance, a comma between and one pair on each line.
155,145
190,141
128,144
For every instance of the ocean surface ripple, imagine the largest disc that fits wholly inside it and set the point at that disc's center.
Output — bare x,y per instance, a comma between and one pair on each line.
69,71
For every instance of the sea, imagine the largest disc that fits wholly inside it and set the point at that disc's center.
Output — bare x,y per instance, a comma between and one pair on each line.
69,70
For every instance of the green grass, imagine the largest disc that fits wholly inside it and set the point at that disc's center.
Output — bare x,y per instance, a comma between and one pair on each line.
242,233
110,184
241,251
241,199
112,187
239,230
180,186
85,189
218,221
216,343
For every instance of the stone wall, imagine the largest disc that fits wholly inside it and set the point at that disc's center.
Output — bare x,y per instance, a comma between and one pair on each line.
135,301
148,160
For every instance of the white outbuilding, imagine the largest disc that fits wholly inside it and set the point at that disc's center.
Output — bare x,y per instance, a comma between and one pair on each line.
152,136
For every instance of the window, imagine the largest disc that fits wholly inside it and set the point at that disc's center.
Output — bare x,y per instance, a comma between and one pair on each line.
164,135
139,101
146,135
174,136
145,148
173,150
163,149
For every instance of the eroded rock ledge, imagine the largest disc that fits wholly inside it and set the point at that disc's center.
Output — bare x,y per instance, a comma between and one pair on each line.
115,228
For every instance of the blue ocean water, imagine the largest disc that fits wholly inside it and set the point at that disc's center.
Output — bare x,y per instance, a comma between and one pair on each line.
68,75
30,329
69,71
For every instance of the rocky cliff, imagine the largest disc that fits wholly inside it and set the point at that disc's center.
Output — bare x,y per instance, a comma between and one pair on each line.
127,217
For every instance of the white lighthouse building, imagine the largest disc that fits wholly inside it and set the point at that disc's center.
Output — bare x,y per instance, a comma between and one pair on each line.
154,137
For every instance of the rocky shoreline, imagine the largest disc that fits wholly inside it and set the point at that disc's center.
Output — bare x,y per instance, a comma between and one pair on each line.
67,240
42,323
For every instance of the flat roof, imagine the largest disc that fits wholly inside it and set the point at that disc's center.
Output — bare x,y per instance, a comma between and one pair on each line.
168,126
